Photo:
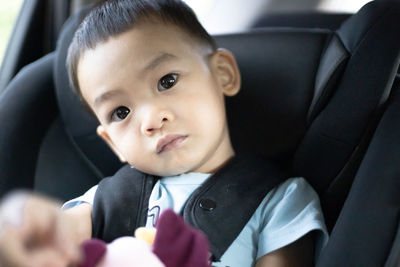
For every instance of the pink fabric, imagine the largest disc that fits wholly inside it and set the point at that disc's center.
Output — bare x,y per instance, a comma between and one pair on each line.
176,245
128,251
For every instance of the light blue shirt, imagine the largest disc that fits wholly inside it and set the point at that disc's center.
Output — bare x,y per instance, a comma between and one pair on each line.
287,212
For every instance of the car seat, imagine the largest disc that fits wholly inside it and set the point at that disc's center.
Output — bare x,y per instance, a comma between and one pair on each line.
310,99
319,117
367,232
304,19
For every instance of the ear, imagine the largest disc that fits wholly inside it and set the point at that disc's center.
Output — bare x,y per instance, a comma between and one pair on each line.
104,135
226,71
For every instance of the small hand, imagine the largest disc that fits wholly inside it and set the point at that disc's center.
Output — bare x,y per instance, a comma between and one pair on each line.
35,232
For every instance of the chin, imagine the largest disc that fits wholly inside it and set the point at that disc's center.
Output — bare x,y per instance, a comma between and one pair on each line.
172,165
172,171
163,172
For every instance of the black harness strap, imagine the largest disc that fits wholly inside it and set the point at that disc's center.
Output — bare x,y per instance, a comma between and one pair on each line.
220,207
224,204
121,203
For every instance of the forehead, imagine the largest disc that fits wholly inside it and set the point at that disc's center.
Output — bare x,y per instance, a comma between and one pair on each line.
143,41
129,53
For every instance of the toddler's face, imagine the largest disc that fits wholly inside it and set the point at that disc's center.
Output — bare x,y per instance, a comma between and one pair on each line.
159,97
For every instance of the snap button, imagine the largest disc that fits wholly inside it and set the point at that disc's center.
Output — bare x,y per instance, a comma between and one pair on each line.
208,204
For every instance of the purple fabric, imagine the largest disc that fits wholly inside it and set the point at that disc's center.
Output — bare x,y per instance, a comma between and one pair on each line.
93,251
179,245
176,244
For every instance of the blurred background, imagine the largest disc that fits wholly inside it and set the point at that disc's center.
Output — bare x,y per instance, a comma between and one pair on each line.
29,28
8,13
223,16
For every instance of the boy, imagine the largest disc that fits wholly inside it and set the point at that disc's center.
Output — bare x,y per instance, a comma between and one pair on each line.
156,82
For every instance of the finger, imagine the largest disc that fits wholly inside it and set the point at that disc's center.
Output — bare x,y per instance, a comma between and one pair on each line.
47,225
47,256
11,208
39,225
64,242
11,239
12,251
39,217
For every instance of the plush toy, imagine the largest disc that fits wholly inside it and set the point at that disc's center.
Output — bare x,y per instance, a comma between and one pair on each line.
173,244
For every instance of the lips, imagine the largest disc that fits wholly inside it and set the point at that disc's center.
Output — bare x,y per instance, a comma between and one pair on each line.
169,142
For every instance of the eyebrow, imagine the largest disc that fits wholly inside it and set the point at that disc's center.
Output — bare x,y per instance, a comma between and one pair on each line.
105,97
163,57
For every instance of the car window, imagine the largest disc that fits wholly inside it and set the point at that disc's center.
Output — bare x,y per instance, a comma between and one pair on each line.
342,5
225,16
8,14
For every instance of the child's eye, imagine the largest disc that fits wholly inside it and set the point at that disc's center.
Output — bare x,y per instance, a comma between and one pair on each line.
167,81
120,113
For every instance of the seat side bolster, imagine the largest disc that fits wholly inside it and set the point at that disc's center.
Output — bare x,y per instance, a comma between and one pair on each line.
27,108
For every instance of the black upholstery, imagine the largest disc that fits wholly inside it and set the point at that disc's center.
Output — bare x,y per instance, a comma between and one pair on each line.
275,125
24,121
331,147
310,19
79,124
310,99
71,150
365,232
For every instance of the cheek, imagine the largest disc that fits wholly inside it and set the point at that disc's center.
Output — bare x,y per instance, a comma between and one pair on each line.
208,111
127,143
136,151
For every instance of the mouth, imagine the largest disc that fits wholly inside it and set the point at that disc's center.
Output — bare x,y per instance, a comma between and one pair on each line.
169,142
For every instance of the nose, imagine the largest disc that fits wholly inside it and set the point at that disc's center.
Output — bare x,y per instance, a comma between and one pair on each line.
154,120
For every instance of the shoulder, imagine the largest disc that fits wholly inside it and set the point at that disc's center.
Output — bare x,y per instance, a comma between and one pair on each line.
293,203
291,190
109,184
125,178
123,173
288,212
87,197
286,201
295,187
294,184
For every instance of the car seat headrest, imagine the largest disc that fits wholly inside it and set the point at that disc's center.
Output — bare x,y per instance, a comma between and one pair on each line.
330,68
268,116
371,39
343,43
342,124
353,31
79,123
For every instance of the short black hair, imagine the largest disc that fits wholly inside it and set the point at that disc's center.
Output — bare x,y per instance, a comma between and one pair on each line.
110,18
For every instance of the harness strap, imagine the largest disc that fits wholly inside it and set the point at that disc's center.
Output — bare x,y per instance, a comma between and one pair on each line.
220,207
121,203
223,205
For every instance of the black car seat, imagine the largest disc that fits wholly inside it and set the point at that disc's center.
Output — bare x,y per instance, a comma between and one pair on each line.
335,141
310,19
367,232
321,116
310,99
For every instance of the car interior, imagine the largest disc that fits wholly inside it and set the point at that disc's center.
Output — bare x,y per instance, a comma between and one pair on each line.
319,96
